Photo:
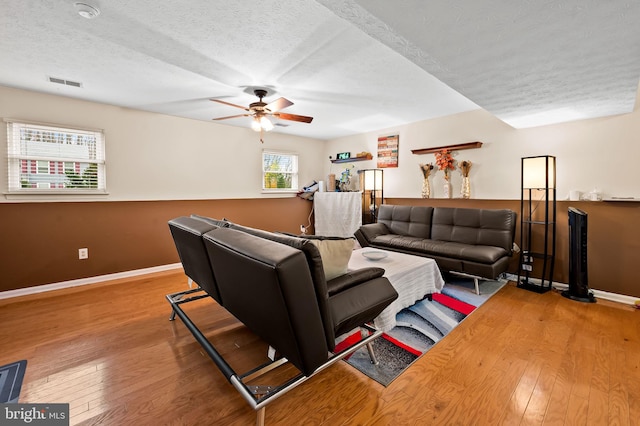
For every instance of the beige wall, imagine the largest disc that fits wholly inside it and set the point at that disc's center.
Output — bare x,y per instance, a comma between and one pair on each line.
600,153
160,157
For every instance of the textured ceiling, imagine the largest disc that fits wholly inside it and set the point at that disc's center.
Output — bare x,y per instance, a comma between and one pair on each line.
527,62
355,66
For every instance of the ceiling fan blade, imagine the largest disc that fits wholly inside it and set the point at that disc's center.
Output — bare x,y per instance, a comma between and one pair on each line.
293,117
230,104
231,116
278,104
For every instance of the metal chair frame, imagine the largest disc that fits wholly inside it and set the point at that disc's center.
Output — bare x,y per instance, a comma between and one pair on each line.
259,397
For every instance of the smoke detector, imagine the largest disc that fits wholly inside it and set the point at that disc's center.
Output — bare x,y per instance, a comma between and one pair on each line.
86,10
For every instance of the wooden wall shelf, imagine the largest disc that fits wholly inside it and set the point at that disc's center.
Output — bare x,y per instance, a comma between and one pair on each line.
352,159
458,147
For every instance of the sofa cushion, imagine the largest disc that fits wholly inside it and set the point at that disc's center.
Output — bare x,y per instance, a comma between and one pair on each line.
187,234
310,251
353,278
476,253
484,227
400,241
335,254
355,305
370,231
314,259
334,251
407,220
268,287
480,254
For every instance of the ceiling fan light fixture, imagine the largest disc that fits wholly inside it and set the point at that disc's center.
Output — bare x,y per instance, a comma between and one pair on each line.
255,124
266,124
87,11
260,112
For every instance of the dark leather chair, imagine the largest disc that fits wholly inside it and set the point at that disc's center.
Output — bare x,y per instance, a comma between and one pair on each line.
274,284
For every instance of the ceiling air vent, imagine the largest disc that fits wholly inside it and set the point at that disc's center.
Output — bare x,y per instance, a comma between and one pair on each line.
65,82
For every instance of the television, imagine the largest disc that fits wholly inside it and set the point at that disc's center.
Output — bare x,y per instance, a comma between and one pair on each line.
578,265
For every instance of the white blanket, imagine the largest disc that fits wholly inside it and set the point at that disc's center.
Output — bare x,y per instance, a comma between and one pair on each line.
337,214
413,277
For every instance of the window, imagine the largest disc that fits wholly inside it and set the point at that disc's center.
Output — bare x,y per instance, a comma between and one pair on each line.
279,171
44,158
43,167
69,167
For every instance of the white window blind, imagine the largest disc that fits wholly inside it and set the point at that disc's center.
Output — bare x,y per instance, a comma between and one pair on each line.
279,171
50,159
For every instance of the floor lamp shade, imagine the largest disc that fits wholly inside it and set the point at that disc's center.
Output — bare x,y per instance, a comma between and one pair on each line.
373,179
539,172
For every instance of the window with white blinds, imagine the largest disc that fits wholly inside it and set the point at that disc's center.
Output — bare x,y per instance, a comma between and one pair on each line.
279,171
50,159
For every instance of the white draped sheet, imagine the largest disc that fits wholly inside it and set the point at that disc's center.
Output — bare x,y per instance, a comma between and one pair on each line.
337,214
413,277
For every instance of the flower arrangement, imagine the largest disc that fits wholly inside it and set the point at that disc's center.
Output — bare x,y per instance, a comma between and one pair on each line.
426,169
465,167
445,161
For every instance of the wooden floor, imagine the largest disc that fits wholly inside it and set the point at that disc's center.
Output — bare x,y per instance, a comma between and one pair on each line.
522,358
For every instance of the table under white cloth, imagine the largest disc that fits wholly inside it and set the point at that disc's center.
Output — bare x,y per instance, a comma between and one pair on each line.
337,214
413,277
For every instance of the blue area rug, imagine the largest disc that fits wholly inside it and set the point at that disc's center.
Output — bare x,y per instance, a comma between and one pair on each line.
420,327
11,376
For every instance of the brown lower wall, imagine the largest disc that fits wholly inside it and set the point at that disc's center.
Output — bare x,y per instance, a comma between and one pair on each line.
613,239
40,241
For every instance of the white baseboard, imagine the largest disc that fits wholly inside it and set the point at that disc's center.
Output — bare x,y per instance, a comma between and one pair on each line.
614,297
89,280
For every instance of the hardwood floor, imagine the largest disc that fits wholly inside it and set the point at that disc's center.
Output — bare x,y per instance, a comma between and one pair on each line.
522,358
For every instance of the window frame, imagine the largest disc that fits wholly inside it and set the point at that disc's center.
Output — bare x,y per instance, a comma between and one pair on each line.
57,179
295,173
39,167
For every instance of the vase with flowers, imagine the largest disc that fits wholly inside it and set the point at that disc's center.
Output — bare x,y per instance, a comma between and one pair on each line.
426,171
445,162
465,167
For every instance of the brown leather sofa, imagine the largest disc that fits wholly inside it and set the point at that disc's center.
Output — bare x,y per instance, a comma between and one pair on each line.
275,285
474,242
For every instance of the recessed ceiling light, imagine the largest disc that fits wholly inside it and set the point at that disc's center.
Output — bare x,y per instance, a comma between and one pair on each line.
86,10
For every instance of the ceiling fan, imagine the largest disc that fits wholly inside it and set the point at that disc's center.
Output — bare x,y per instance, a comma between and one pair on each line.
260,112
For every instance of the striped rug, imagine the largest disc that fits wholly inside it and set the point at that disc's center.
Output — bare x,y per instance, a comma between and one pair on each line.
419,328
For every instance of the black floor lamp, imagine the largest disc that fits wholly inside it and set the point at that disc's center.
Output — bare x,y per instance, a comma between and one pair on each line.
371,183
537,222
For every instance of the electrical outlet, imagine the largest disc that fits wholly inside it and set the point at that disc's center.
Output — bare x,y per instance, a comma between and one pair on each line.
303,229
83,253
